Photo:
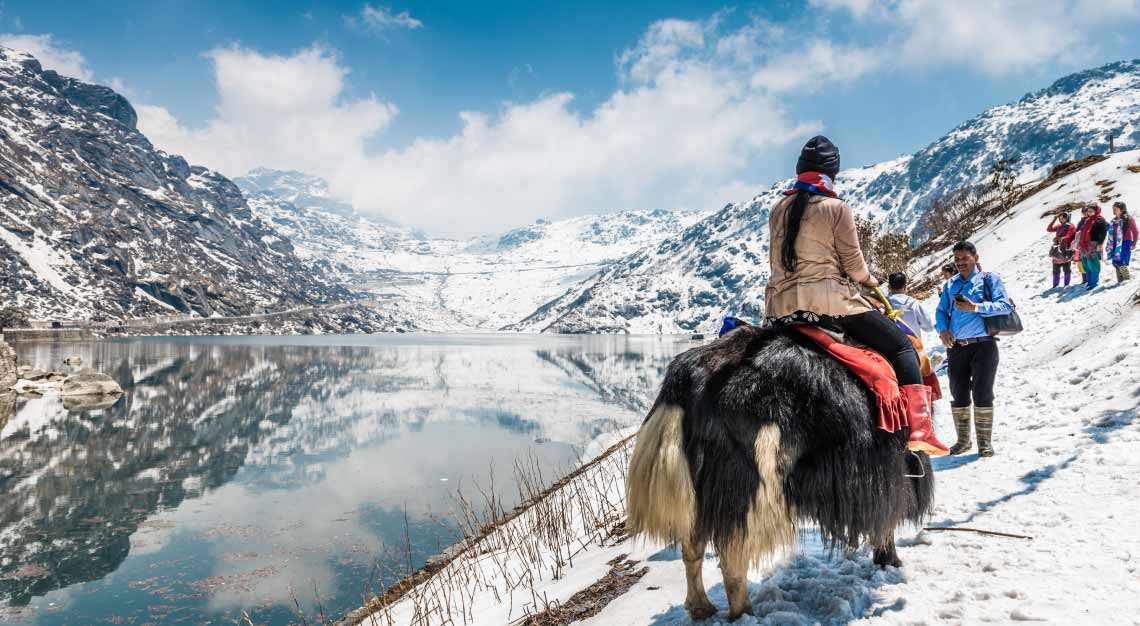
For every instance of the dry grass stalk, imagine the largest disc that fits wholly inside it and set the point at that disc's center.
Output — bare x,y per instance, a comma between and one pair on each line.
509,555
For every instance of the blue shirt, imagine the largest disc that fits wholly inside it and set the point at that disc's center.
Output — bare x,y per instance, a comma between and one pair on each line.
969,324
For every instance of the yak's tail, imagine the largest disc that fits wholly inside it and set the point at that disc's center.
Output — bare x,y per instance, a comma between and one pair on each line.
710,468
659,489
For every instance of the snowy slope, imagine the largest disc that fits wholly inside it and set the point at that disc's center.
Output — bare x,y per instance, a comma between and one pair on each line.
96,222
719,267
1066,434
444,284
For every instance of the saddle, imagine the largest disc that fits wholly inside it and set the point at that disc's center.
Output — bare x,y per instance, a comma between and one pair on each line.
866,364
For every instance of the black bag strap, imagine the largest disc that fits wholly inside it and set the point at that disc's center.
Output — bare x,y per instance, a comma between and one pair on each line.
988,294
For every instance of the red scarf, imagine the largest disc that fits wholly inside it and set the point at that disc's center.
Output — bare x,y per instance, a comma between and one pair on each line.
813,182
871,368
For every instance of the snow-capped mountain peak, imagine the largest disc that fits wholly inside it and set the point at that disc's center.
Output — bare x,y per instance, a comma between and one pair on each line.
96,222
719,266
302,190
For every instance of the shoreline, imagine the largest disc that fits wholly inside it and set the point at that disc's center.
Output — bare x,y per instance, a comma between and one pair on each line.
459,549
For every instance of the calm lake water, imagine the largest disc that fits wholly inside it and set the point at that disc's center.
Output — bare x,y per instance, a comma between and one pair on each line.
284,476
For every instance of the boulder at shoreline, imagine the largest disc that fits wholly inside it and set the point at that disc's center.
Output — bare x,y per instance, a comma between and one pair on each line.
88,382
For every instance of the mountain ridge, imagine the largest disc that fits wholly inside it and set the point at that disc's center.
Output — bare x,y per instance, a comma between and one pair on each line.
96,223
688,282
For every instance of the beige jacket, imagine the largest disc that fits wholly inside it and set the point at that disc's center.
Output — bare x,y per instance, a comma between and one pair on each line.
830,264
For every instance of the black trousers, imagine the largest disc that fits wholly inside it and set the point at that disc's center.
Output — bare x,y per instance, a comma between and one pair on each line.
972,370
875,331
1057,267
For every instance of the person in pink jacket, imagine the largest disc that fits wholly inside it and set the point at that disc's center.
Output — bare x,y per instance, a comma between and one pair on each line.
1121,238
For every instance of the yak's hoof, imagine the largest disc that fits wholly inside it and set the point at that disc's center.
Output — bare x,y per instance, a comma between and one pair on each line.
883,559
732,617
700,611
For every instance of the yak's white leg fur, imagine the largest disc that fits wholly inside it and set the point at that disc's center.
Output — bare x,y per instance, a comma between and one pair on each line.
696,600
734,568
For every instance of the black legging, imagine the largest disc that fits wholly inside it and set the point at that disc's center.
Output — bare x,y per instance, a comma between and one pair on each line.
876,331
1057,267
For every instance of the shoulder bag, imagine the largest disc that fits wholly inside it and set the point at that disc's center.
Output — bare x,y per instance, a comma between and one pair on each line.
1000,325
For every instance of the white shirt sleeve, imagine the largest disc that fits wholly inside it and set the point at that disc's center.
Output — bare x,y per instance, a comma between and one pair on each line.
924,322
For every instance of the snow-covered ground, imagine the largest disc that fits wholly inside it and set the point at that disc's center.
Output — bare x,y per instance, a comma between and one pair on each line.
1065,474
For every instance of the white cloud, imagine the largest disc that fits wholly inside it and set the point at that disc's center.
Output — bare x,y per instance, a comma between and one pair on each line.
858,8
996,38
380,19
816,64
785,59
50,53
696,103
518,73
682,126
276,111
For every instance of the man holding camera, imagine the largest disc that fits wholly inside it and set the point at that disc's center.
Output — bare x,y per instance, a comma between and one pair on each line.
969,297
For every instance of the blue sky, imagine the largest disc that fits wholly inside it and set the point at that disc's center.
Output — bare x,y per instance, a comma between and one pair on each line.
464,117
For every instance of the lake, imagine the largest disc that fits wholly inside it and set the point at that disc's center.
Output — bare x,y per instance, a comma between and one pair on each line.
286,477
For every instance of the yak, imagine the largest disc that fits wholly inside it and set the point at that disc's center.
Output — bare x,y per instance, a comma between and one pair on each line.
755,434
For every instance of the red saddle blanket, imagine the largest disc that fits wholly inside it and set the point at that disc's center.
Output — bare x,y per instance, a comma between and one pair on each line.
872,369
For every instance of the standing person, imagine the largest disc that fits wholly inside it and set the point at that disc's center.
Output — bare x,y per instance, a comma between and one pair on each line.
816,269
1121,237
1062,250
1091,232
972,352
948,272
913,314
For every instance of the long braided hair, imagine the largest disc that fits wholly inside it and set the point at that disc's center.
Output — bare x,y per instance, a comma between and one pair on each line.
792,221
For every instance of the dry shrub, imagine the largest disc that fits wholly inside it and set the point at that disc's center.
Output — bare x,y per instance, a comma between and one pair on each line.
1068,207
956,215
886,252
12,317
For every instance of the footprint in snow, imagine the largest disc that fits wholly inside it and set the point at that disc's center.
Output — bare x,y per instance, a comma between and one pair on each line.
1079,377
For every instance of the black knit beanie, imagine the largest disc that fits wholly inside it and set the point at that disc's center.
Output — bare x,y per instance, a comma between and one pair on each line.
819,155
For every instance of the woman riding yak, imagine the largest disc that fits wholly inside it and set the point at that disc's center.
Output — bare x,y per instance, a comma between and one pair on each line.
816,270
771,427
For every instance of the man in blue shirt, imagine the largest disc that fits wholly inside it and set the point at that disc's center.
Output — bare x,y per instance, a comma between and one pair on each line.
971,351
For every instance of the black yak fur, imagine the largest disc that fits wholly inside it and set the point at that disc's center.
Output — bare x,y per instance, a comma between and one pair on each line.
837,468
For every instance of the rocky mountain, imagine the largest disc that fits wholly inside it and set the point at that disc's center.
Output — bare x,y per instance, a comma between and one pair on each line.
445,284
95,222
7,366
717,267
682,284
324,231
1067,120
301,190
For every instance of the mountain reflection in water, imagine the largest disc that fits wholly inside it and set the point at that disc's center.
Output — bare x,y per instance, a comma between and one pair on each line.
249,474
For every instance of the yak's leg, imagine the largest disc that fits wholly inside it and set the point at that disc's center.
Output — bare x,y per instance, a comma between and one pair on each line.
734,568
696,600
885,553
